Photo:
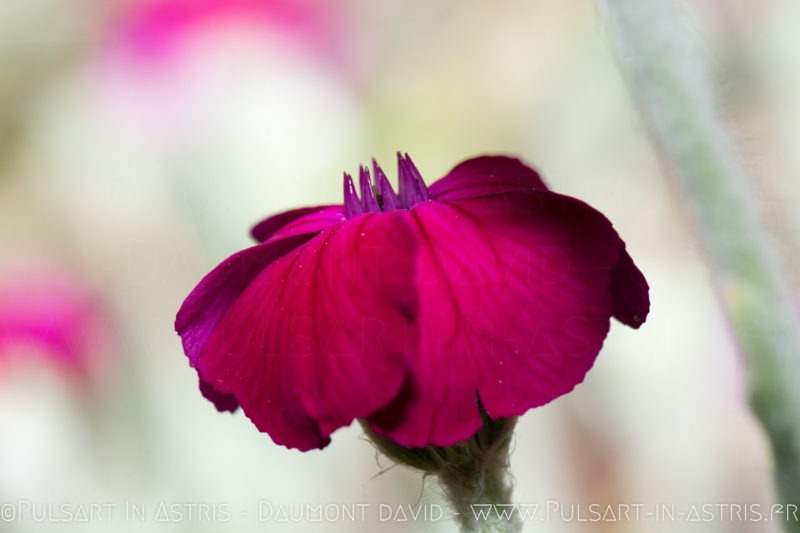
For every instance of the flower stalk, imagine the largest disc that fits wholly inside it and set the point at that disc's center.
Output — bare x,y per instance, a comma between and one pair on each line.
677,104
474,474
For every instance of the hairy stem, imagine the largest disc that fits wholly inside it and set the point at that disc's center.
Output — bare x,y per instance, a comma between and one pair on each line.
678,106
476,480
473,474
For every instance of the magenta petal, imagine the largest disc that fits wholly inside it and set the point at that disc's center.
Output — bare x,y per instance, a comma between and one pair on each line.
297,221
324,334
630,292
221,400
514,307
210,300
486,175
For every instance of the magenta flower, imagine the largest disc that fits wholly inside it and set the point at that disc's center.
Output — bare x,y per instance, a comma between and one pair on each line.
413,311
156,30
47,311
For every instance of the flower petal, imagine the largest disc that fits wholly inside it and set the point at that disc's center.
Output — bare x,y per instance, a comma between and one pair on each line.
514,305
630,292
486,175
221,400
210,300
297,221
324,334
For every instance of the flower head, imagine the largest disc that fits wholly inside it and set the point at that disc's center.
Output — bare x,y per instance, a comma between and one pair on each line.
155,30
48,312
417,312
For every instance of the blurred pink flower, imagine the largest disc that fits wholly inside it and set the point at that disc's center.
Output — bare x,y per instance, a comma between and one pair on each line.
155,31
184,81
46,310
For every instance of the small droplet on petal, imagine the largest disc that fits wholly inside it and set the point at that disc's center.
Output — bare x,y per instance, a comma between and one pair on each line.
352,205
368,200
389,199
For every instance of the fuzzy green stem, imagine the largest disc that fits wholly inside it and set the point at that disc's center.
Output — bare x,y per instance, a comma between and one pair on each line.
476,480
473,474
677,104
481,496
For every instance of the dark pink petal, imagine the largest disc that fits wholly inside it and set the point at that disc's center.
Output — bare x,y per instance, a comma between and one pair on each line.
210,300
630,292
221,400
324,334
486,175
514,307
297,221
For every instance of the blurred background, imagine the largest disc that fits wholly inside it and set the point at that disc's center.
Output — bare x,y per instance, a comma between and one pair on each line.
140,140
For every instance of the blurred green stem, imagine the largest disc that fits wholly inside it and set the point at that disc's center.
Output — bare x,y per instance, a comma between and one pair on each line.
677,103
